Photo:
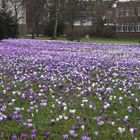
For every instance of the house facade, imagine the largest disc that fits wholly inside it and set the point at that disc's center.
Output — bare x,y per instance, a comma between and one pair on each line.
127,17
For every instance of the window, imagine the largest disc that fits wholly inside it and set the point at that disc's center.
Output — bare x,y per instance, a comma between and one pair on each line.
120,11
117,13
117,27
138,11
122,27
132,28
138,28
126,28
125,12
132,12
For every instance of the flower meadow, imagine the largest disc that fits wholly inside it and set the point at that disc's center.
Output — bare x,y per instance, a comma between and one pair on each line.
57,90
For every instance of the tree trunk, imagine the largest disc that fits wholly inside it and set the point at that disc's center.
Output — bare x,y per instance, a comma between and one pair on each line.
72,31
33,30
16,30
98,26
55,26
37,29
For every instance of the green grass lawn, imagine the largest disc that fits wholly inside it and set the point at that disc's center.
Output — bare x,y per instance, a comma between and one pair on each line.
117,39
120,39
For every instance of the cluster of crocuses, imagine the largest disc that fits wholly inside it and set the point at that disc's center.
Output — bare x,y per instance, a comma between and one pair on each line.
62,90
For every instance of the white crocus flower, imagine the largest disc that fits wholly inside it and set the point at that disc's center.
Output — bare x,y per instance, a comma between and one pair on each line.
121,130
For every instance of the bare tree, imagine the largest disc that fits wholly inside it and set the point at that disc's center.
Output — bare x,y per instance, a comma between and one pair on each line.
99,9
72,13
37,10
55,12
17,5
76,10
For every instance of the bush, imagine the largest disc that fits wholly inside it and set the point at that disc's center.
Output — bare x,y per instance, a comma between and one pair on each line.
49,29
78,33
108,31
8,29
105,31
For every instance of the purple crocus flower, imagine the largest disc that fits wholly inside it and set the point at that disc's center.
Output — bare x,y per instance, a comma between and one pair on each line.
14,137
101,123
34,131
23,136
133,130
75,135
33,136
47,134
71,132
85,138
65,137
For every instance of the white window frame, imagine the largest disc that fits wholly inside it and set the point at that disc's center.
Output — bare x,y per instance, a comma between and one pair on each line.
132,28
138,27
122,27
126,28
117,28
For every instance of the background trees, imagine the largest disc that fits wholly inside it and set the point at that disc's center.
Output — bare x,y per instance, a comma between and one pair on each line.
17,6
99,10
54,15
37,9
7,25
72,14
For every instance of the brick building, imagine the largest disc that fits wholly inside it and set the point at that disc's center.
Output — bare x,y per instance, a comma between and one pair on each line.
128,17
125,14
